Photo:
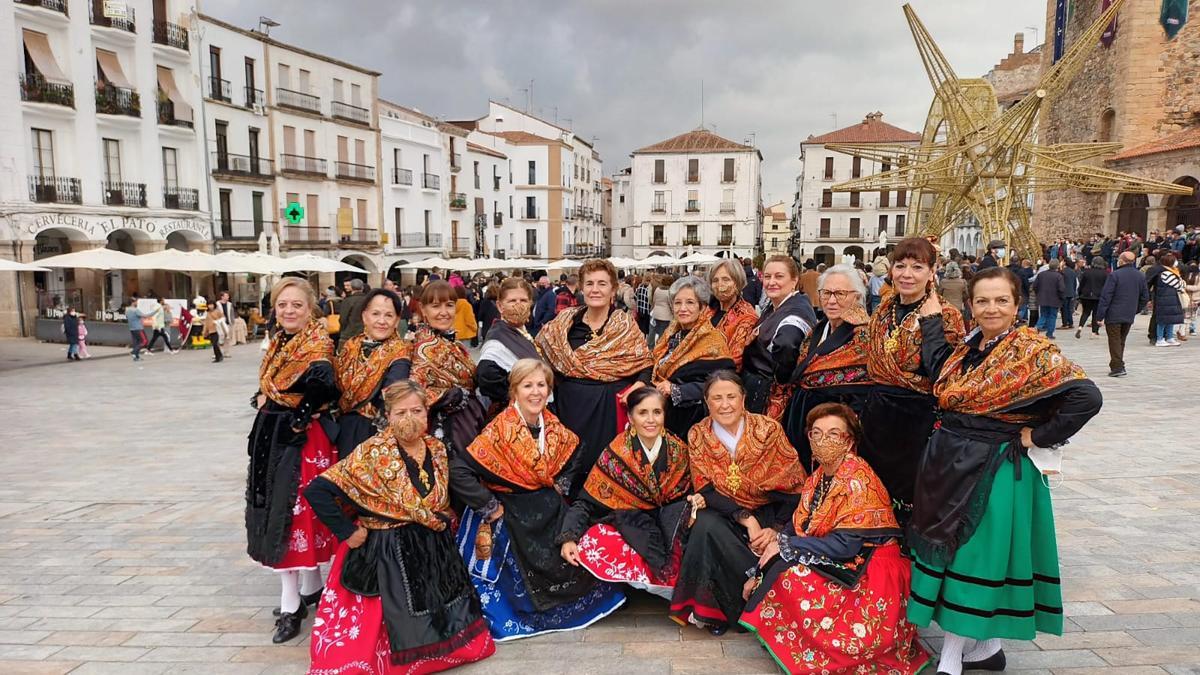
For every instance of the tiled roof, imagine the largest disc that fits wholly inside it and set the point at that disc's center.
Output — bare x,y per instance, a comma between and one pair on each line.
871,130
522,137
1180,140
697,140
487,151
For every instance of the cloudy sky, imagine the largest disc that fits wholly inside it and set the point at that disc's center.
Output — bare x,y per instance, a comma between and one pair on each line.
629,72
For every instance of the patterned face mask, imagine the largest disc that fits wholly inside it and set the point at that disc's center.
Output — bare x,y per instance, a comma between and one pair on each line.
408,429
515,316
829,451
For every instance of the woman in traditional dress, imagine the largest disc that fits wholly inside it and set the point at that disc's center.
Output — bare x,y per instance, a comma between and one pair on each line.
637,495
686,354
597,353
399,599
515,478
832,365
832,589
982,532
732,315
748,475
289,446
770,358
445,369
899,413
366,365
508,341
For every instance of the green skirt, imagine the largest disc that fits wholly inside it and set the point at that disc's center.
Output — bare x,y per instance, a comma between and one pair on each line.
1003,582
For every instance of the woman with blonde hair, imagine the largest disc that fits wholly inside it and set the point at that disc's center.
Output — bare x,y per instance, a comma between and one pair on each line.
769,359
288,448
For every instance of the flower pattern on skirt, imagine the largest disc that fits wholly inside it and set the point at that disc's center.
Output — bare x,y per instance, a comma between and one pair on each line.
605,553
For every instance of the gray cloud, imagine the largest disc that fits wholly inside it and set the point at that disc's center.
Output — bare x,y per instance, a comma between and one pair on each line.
628,71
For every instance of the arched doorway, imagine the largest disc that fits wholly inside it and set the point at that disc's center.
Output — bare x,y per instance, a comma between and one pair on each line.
1184,209
358,261
855,251
1132,214
823,254
121,284
61,286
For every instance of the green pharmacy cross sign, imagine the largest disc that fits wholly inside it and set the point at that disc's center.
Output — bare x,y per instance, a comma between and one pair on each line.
294,213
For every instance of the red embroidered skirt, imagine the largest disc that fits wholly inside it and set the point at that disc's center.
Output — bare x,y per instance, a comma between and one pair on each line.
604,553
809,624
310,543
349,636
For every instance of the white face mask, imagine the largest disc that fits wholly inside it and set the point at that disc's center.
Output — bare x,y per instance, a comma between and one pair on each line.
1000,253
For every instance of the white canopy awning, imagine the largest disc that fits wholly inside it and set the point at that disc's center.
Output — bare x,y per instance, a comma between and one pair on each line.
180,261
38,46
166,82
94,258
7,265
252,263
312,263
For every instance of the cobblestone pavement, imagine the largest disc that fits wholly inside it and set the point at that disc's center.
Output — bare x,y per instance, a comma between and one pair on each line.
121,545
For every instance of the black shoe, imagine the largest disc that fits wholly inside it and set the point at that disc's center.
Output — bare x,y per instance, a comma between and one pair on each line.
287,626
994,662
312,599
1118,373
717,630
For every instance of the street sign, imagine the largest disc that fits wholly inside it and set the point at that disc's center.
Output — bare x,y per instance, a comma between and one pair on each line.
115,10
294,213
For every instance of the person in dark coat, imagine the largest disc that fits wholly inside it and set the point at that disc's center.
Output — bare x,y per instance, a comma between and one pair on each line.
1091,282
1123,296
995,253
1071,285
1050,289
351,310
487,311
753,291
1152,269
71,333
1168,309
544,308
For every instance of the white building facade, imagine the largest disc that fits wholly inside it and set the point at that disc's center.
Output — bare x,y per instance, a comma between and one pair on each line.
696,192
100,146
835,226
414,166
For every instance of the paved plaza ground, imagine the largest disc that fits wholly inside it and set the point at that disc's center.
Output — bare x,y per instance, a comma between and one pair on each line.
121,539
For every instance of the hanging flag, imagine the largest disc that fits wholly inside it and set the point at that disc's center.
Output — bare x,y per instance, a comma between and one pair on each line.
1071,4
1174,15
1060,28
1110,33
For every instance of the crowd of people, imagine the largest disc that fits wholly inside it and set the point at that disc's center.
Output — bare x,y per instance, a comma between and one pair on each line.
752,445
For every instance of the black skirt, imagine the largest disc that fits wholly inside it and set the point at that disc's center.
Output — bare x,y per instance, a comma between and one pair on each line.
589,408
896,425
272,482
713,570
353,430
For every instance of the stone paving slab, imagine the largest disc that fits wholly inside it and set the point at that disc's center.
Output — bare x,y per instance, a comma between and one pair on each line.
121,544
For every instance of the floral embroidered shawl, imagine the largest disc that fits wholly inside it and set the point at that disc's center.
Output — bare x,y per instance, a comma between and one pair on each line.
765,462
737,325
359,376
508,450
618,352
702,343
899,368
287,359
856,501
623,480
439,364
376,478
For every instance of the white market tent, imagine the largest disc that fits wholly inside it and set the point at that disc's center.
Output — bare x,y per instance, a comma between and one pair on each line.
251,263
7,265
312,263
92,258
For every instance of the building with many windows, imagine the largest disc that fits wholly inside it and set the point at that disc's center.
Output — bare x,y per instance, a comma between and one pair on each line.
100,146
696,192
776,229
832,226
414,166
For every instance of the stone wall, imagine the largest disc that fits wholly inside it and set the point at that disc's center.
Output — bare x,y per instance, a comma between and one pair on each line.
1180,60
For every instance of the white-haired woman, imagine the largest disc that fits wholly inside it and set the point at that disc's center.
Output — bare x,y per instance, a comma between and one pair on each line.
687,352
832,366
732,315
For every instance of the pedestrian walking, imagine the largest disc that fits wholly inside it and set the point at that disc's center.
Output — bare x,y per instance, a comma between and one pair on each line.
70,329
137,334
1050,289
214,324
1123,296
83,332
1091,282
1191,284
1168,305
1071,287
161,316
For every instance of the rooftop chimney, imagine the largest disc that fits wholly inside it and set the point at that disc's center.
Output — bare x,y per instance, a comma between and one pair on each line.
1019,43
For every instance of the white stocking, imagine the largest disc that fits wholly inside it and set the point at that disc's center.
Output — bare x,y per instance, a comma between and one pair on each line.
289,596
982,650
952,654
310,581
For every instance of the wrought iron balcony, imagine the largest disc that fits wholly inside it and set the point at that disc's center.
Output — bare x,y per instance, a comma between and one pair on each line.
658,241
498,219
458,200
725,241
693,206
658,208
691,241
55,190
401,176
460,245
456,162
166,115
124,194
431,181
302,164
354,171
187,199
531,214
306,235
113,100
362,236
220,90
98,19
298,100
254,97
171,35
245,166
241,229
728,207
420,240
52,5
37,89
351,113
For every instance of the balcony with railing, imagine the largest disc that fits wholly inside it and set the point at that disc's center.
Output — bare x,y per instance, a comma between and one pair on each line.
725,240
458,200
459,247
419,240
114,100
351,171
298,100
254,97
125,23
530,251
495,182
166,115
350,113
359,236
456,162
59,6
187,199
55,190
306,236
498,219
220,90
431,181
401,176
728,207
242,166
239,230
530,214
299,164
693,206
171,35
658,241
691,241
124,194
658,207
37,89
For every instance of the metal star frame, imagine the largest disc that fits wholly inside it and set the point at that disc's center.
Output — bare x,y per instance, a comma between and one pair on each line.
976,159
